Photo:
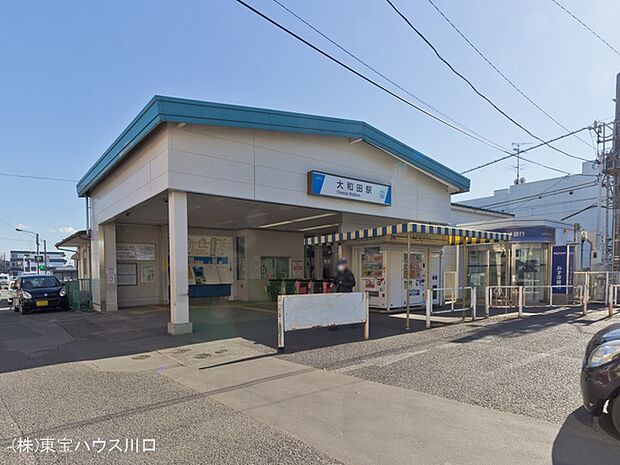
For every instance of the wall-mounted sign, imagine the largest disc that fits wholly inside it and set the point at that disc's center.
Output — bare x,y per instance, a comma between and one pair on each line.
135,252
342,187
530,233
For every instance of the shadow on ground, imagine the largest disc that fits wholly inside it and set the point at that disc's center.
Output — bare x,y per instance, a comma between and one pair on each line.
585,439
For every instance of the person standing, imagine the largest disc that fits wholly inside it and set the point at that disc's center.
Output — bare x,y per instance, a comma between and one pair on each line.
345,279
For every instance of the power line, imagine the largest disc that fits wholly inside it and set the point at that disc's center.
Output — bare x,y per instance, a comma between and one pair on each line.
615,50
369,80
498,71
42,178
362,76
545,193
511,154
469,83
379,73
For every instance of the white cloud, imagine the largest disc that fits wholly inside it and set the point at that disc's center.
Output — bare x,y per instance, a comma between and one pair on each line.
67,229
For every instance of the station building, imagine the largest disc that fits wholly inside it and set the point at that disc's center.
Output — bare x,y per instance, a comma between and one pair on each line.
199,199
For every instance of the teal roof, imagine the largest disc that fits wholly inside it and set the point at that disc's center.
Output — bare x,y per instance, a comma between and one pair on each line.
162,110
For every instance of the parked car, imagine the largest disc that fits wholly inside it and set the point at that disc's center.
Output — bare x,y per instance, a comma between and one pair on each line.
4,281
40,292
600,374
12,292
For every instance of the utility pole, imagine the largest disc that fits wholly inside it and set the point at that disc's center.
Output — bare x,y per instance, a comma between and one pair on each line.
516,146
612,168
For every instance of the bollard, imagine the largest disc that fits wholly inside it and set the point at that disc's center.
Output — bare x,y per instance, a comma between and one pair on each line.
429,307
520,301
473,304
585,301
487,301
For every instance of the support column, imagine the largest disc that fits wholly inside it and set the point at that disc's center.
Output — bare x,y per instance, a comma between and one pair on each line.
105,297
179,286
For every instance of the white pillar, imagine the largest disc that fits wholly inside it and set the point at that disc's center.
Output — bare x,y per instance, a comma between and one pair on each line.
105,292
179,287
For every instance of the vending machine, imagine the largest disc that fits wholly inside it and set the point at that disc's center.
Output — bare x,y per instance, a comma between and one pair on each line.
383,274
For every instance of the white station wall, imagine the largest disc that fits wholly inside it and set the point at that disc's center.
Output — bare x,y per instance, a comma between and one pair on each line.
272,167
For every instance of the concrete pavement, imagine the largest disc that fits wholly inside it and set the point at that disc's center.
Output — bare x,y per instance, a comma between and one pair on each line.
362,422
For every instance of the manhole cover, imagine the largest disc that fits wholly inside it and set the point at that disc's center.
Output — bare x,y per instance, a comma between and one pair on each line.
204,355
221,351
141,357
181,351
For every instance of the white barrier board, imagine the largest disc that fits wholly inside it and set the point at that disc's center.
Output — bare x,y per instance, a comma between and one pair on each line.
305,311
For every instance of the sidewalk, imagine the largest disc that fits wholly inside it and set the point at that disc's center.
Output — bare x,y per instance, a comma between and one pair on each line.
361,422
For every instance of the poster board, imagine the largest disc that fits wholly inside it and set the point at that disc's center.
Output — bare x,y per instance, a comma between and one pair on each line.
129,252
210,259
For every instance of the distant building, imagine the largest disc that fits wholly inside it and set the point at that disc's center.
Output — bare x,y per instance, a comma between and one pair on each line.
23,261
567,199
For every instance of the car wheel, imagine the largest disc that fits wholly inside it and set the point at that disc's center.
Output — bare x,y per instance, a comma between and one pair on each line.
614,408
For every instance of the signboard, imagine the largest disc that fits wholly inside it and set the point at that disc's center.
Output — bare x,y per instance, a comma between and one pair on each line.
135,252
562,267
342,187
530,234
297,268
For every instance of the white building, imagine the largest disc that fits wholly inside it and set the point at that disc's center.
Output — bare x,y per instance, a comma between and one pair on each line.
568,199
201,199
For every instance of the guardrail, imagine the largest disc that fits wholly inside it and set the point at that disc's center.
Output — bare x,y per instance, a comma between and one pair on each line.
453,290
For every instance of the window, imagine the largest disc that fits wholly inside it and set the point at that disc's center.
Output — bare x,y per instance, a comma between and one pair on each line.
127,274
40,282
274,267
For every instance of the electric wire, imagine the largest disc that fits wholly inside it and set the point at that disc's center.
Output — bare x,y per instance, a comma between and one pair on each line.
498,71
615,50
362,76
474,88
382,75
562,190
41,178
379,86
511,154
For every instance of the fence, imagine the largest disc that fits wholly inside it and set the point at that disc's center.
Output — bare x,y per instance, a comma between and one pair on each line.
451,302
304,311
516,297
612,294
80,294
597,284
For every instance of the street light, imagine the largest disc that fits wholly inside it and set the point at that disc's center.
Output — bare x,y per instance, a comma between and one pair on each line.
36,235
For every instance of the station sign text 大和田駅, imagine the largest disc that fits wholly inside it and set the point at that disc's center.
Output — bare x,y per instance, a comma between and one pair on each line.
342,187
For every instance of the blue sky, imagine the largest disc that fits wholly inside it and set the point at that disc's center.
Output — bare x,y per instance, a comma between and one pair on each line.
74,73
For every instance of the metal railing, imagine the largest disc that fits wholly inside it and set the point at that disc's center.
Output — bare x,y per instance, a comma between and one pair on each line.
452,303
516,297
79,293
612,301
597,284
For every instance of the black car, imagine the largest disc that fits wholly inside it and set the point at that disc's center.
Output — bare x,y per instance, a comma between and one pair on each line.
39,292
600,374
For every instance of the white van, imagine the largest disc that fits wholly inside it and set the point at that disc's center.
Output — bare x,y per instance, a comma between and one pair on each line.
4,280
12,292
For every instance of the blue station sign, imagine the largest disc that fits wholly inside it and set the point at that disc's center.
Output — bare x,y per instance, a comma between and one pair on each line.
342,187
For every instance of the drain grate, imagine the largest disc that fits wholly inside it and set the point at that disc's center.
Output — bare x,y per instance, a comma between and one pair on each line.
181,351
203,355
141,357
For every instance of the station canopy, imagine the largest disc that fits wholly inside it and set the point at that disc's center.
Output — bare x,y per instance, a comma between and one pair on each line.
417,232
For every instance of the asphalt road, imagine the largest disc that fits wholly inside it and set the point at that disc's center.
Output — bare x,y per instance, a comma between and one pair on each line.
60,377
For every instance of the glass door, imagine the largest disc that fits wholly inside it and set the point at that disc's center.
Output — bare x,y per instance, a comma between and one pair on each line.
530,270
477,269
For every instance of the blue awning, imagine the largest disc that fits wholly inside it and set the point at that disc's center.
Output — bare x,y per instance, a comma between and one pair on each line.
450,234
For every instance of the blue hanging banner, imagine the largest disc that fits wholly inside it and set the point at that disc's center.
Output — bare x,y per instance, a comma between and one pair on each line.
558,266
